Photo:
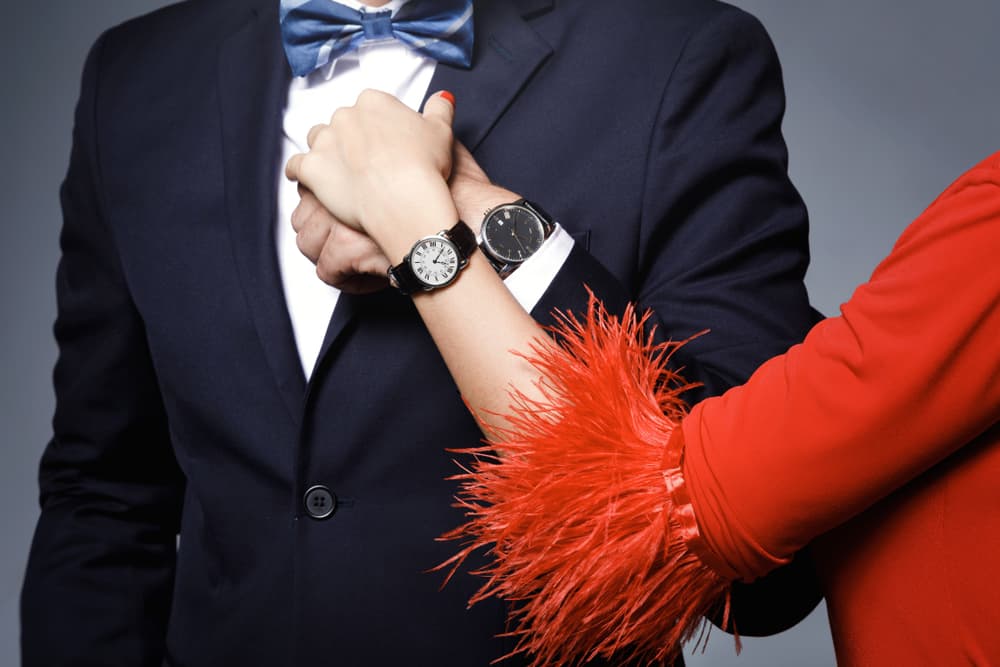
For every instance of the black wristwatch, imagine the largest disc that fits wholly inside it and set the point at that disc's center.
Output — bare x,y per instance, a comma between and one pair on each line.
434,261
512,233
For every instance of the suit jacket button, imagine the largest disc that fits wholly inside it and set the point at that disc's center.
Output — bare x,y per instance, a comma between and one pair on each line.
320,502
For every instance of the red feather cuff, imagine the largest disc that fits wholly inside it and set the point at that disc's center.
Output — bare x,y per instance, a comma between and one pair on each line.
589,536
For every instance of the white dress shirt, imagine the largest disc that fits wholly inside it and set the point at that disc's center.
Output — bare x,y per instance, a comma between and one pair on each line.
392,67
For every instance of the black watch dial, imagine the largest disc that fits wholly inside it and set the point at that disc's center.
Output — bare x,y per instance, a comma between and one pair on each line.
512,233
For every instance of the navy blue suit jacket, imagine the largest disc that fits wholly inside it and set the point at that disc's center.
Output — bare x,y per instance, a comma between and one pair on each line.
650,129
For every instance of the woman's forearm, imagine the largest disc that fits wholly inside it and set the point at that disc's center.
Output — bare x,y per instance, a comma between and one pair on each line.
482,332
478,326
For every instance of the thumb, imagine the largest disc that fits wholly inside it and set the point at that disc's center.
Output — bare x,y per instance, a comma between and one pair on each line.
440,106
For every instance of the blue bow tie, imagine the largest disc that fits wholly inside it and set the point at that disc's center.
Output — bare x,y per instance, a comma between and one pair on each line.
317,31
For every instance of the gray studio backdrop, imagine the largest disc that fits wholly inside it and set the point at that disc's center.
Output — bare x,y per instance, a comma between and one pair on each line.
888,102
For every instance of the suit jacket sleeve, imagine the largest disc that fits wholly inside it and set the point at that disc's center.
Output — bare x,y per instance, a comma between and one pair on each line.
723,247
100,574
906,375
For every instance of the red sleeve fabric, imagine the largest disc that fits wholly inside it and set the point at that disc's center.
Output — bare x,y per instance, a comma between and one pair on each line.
907,374
579,529
613,522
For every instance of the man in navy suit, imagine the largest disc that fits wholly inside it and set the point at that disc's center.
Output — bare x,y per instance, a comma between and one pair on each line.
304,472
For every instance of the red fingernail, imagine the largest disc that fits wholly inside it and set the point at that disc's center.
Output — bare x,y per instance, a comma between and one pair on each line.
448,96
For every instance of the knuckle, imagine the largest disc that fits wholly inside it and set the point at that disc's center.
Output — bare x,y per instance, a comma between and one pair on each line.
324,135
368,96
293,166
307,167
329,273
301,244
302,241
323,272
328,253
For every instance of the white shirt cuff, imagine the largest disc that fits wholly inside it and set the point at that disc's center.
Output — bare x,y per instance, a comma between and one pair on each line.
529,282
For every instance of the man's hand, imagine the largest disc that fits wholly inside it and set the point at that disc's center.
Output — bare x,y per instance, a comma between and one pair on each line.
344,258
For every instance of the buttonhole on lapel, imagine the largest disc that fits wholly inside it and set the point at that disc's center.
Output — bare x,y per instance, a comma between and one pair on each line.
499,48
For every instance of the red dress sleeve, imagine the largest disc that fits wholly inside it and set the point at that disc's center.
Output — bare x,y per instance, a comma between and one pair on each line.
613,522
907,374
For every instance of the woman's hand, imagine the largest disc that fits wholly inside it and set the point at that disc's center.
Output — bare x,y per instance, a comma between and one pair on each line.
381,168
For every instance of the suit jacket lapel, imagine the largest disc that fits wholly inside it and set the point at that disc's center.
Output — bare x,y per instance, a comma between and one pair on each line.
347,308
507,52
253,82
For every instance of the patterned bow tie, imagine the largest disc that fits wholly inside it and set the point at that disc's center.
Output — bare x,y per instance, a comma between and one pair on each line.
317,31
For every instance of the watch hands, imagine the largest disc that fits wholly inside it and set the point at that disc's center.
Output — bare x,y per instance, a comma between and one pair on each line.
523,249
513,233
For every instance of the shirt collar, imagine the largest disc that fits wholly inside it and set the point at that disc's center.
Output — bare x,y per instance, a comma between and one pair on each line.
392,5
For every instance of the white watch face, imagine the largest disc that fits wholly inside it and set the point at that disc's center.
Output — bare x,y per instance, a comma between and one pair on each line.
434,261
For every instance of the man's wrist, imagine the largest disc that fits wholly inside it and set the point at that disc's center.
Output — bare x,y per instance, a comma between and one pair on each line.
473,207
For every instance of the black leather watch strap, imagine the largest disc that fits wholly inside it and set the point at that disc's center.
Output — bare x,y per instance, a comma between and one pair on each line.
402,277
540,212
464,239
